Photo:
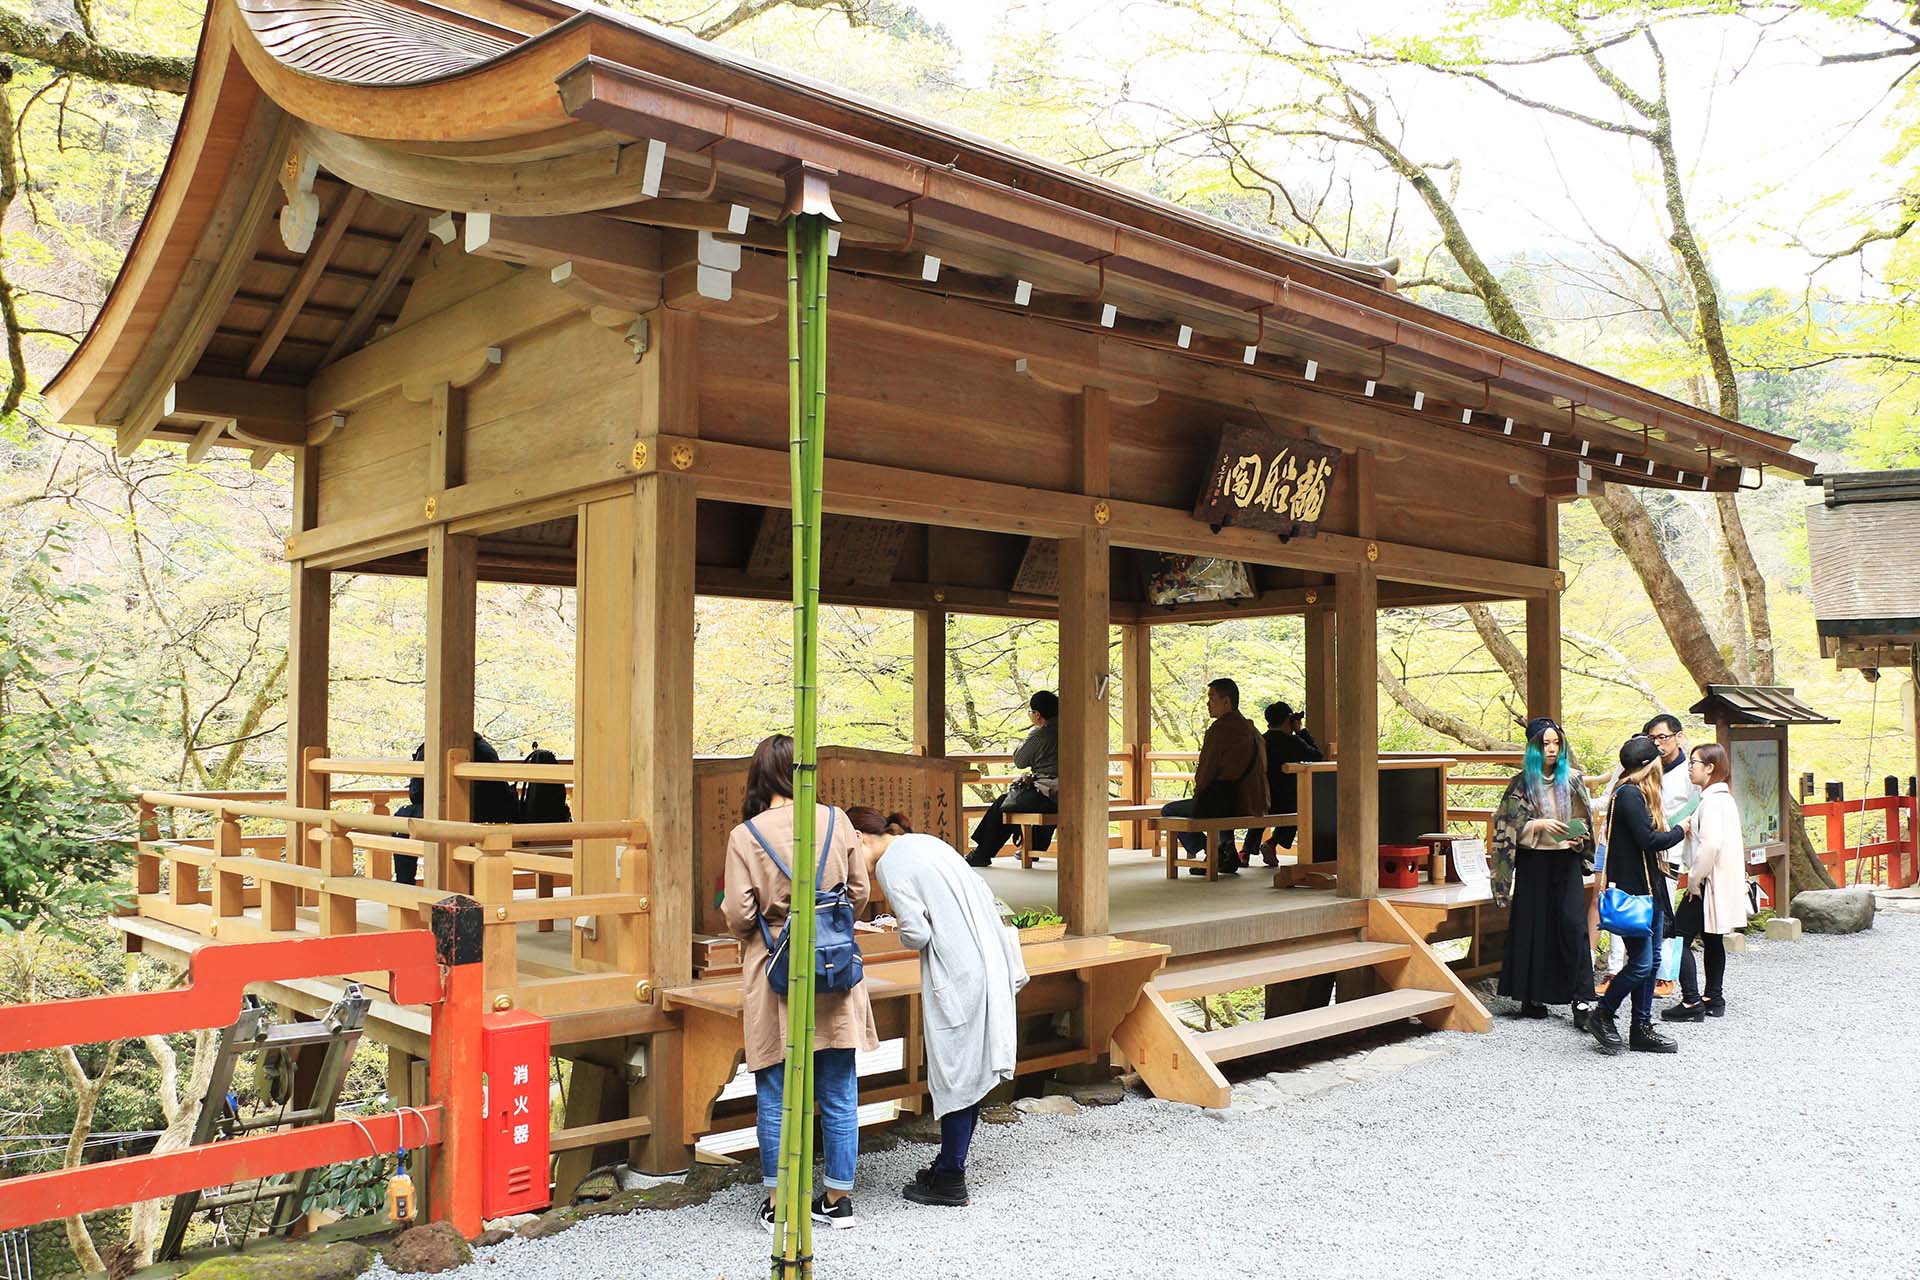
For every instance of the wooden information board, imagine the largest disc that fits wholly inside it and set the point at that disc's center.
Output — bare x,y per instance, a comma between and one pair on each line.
927,789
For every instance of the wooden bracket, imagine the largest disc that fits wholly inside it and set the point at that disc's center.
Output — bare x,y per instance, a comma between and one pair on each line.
1072,380
300,216
461,371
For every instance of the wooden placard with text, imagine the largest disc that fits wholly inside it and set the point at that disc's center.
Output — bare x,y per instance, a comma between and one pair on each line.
1261,479
927,789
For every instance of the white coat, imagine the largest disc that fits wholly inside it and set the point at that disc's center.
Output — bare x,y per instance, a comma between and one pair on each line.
1719,860
970,967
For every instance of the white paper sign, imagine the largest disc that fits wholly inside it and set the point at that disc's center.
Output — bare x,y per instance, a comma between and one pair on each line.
1470,860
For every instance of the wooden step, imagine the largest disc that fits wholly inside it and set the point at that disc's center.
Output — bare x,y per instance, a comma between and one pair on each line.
1250,1038
1276,966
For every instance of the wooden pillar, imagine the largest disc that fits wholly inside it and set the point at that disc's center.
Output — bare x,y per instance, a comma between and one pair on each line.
309,636
1322,683
1084,611
1136,719
930,681
1356,597
1543,625
452,583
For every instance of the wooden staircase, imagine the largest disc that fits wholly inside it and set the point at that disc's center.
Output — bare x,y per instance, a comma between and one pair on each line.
1181,1064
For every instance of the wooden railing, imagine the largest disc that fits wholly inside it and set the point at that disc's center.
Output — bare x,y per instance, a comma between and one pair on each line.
1122,785
314,877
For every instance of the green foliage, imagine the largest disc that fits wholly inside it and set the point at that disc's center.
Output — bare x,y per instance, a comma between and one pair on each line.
354,1189
1036,917
63,705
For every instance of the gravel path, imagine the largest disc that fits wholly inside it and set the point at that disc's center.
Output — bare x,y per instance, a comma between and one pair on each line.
1781,1140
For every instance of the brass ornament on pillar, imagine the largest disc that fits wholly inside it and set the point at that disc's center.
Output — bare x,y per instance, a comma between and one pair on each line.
682,456
1373,552
639,455
1102,513
432,508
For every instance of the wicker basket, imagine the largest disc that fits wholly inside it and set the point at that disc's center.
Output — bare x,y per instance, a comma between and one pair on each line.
1042,933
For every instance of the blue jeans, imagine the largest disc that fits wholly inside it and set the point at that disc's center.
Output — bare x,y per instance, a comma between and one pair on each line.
1637,978
836,1095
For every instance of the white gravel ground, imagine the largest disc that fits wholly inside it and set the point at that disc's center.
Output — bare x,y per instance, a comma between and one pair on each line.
1781,1141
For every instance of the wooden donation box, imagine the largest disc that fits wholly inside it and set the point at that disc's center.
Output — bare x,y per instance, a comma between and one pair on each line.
927,789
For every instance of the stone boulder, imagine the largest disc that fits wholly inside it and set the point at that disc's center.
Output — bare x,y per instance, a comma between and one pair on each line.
1092,1093
298,1261
427,1250
1834,910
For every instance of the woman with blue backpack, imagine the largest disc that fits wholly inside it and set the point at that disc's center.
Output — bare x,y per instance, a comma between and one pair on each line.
759,889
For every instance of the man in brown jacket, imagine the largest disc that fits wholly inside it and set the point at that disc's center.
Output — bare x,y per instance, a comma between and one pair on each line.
1229,781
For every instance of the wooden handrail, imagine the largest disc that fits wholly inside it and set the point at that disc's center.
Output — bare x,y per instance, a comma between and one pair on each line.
370,768
418,828
508,771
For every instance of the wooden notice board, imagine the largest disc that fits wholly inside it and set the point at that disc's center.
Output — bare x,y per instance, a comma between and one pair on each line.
927,789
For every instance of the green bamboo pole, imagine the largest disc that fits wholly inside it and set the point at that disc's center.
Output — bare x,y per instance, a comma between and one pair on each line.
806,388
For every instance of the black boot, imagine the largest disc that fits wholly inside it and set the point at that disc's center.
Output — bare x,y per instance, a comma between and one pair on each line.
1580,1014
1529,1009
1600,1023
1716,1006
938,1187
1684,1012
1644,1037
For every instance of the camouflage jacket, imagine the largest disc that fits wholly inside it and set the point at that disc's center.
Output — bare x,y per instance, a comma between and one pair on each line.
1515,811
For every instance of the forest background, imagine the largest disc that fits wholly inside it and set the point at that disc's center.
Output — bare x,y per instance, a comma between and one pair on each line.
1715,199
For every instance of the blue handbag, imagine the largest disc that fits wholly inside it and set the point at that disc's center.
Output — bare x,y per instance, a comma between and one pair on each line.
836,956
1626,915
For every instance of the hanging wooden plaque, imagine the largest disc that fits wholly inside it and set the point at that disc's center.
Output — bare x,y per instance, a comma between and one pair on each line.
1261,479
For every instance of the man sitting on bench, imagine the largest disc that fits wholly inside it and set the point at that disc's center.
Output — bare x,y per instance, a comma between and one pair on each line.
1287,742
1230,780
1038,792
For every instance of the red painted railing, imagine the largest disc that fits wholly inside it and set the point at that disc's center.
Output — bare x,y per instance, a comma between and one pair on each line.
1890,860
218,975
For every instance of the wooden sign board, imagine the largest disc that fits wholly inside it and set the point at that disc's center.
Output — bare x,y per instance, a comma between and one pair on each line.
1039,569
927,789
1261,479
855,552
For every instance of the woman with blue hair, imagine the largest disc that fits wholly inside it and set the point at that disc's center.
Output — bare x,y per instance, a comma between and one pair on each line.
1542,839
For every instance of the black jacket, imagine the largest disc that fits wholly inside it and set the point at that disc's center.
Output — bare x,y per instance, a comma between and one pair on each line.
1633,861
1284,749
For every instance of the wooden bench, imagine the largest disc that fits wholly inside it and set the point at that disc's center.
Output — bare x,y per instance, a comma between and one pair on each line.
1030,822
1168,830
1098,980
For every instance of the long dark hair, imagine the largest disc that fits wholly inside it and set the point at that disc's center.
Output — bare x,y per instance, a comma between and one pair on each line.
769,774
869,821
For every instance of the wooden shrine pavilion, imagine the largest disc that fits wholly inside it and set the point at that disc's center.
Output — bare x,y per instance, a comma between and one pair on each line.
506,279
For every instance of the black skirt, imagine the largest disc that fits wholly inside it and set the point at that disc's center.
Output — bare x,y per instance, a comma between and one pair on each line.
1549,957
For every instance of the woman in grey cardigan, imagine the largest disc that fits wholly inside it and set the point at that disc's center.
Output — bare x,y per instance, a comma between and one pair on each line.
970,968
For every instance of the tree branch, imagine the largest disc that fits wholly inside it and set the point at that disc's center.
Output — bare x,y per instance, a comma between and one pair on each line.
75,52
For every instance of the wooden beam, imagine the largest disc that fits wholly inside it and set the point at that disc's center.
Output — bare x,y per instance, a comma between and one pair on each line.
1084,601
378,290
1093,439
719,216
1543,625
249,404
586,239
205,438
1323,683
930,681
309,659
302,287
1358,872
1136,718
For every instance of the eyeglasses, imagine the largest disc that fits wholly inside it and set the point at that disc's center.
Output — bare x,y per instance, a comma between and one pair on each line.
1663,737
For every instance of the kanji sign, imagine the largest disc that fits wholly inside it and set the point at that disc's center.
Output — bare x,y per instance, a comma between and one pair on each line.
1261,479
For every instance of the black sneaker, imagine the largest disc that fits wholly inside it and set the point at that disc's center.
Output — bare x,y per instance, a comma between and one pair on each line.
1528,1009
838,1215
938,1187
1600,1023
1644,1037
766,1214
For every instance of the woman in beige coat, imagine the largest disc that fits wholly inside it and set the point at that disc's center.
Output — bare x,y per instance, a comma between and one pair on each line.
756,889
1716,901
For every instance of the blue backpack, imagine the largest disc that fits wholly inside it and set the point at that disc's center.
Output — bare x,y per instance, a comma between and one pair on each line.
836,958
